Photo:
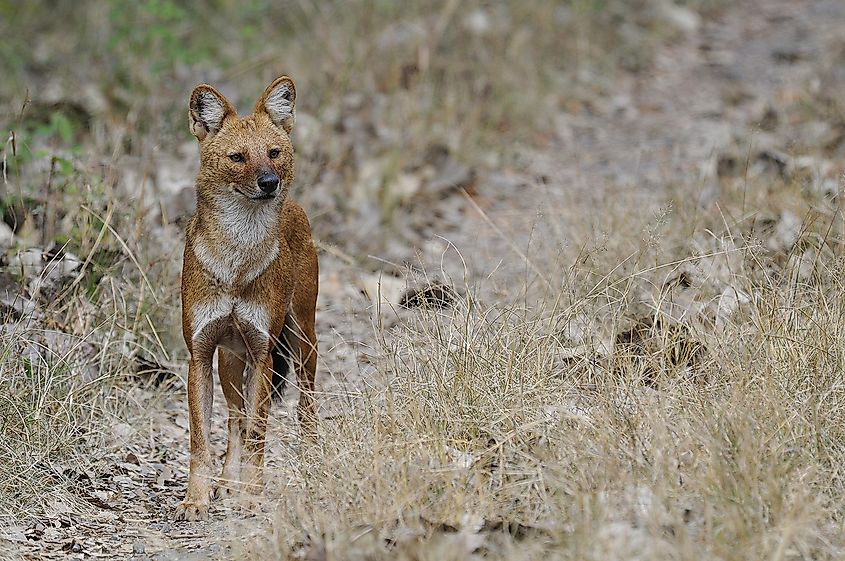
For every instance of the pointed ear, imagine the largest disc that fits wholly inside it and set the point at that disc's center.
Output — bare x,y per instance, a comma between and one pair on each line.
207,110
278,102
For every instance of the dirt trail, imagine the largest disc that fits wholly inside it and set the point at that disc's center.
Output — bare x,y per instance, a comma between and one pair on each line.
663,127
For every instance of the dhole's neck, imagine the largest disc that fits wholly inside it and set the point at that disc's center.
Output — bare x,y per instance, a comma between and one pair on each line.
235,239
232,220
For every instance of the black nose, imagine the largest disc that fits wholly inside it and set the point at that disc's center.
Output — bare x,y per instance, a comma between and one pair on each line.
268,182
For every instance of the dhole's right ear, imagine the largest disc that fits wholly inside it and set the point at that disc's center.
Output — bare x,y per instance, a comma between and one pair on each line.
207,111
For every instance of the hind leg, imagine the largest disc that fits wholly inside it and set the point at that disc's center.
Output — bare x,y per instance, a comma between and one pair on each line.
302,340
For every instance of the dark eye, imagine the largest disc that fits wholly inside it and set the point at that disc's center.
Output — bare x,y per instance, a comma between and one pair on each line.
236,157
274,153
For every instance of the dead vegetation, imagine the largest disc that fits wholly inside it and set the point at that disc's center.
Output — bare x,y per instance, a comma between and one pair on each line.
598,358
689,409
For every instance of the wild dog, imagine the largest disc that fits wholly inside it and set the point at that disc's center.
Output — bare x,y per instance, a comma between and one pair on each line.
249,286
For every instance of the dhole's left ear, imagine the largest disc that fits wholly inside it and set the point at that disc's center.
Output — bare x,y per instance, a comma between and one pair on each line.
278,102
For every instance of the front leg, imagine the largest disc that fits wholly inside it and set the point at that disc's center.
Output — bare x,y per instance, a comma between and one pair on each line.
257,408
200,396
231,369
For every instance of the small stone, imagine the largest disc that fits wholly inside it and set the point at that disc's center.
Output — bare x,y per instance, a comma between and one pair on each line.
163,527
138,548
7,236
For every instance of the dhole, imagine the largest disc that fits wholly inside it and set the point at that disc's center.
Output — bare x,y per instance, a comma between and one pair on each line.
249,286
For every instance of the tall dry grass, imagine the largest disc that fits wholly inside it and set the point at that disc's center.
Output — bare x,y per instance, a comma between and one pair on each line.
531,429
68,360
481,442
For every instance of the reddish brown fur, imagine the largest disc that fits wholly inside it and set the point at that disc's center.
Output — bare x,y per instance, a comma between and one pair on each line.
227,292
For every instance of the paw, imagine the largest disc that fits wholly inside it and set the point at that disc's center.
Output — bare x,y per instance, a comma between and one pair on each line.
191,511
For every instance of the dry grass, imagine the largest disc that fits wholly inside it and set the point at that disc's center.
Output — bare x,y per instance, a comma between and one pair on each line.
52,421
69,370
518,430
493,432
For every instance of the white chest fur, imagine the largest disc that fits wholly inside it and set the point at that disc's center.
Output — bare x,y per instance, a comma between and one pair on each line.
249,243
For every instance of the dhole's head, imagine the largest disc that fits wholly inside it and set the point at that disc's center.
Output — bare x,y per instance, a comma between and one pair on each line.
249,159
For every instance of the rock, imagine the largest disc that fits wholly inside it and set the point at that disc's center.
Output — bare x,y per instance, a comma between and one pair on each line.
138,548
399,34
93,99
780,234
681,18
622,106
15,534
29,262
804,264
68,264
121,432
44,270
779,161
382,289
478,22
16,307
7,236
729,302
435,294
174,195
371,175
404,186
71,351
459,459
